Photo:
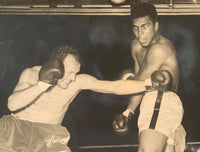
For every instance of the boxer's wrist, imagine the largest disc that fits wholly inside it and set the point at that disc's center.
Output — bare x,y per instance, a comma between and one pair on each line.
148,84
128,113
43,86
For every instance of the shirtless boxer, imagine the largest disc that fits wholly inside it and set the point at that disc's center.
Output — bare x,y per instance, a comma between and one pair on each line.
151,51
41,98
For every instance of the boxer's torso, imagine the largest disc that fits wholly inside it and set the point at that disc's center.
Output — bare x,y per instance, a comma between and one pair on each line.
170,63
51,106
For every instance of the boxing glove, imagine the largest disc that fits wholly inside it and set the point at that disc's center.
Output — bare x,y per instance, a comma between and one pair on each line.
51,71
162,80
121,122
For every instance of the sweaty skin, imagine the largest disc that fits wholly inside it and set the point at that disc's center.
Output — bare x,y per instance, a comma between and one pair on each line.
52,105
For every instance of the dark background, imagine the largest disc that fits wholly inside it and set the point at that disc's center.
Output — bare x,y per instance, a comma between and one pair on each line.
104,43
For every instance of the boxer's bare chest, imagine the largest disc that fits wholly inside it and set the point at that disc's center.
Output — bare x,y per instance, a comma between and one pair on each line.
61,97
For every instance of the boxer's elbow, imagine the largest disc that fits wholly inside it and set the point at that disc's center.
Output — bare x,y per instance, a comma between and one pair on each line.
112,87
11,107
107,87
11,104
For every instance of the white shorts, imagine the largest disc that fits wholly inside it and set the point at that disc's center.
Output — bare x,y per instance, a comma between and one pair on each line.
169,117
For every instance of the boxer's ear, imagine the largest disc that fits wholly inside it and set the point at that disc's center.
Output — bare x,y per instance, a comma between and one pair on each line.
156,26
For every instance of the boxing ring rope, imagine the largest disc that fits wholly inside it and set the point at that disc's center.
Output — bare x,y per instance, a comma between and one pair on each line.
121,146
106,146
107,9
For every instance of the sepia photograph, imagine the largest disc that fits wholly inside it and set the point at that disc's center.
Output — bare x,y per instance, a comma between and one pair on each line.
100,76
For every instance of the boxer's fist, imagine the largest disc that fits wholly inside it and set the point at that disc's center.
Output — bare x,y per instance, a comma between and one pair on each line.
51,71
162,80
121,122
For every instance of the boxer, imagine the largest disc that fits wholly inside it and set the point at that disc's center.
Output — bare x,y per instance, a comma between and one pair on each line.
41,99
151,52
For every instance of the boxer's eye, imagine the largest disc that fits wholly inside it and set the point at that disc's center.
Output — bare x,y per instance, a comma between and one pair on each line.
135,28
145,26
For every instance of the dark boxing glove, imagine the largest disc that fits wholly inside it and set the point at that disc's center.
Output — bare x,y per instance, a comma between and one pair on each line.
162,80
51,71
121,122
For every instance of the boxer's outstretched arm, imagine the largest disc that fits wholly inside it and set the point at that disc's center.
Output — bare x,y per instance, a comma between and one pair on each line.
119,87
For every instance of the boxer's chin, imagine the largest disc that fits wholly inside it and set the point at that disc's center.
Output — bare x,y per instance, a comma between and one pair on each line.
144,44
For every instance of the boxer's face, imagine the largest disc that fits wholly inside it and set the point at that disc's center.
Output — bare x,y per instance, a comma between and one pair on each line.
144,30
72,67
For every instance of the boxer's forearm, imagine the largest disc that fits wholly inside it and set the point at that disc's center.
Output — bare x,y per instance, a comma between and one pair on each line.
134,102
21,98
120,87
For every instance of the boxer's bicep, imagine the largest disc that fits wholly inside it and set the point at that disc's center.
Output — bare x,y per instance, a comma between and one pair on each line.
85,81
134,56
88,82
153,61
157,56
136,65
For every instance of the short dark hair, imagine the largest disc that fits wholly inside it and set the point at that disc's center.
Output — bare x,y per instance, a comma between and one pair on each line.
144,9
63,50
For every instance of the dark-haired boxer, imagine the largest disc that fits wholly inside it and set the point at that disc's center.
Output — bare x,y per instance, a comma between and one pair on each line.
41,98
151,51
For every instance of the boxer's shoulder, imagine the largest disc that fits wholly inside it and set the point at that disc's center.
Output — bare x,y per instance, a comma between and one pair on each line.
135,42
163,44
84,77
135,46
84,80
32,69
31,73
160,49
